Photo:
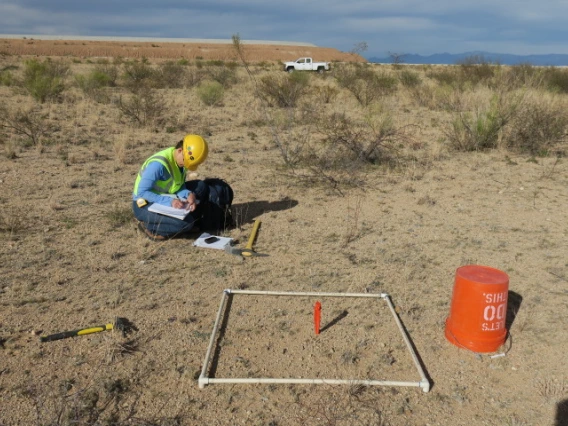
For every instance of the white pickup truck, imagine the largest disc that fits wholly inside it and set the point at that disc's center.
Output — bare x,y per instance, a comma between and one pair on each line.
306,64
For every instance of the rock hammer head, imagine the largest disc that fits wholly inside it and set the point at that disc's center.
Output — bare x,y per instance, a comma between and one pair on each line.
242,252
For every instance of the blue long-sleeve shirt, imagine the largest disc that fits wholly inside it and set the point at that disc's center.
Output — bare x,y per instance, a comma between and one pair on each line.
153,172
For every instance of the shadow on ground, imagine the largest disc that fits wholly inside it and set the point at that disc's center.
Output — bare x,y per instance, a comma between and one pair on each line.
247,212
562,413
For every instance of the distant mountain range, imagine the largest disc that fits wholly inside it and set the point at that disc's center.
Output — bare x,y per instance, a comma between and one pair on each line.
501,58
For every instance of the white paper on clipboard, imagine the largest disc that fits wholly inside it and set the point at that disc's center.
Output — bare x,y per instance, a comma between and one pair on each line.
220,244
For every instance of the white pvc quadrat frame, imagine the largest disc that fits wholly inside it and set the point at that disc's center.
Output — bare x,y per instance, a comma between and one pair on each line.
424,384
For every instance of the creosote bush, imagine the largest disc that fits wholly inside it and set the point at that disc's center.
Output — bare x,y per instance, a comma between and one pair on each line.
225,76
366,142
144,108
170,75
284,91
475,69
409,79
7,78
364,83
138,75
211,93
557,79
29,123
446,76
44,80
93,85
328,94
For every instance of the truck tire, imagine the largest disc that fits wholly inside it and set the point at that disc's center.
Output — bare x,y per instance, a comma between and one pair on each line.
290,69
321,70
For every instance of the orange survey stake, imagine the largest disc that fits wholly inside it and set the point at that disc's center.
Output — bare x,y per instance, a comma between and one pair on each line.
317,317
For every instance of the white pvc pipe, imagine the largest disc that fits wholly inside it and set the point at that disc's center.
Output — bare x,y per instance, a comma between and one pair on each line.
224,298
424,383
308,294
265,380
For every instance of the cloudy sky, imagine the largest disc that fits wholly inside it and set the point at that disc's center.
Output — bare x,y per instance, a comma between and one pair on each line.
519,27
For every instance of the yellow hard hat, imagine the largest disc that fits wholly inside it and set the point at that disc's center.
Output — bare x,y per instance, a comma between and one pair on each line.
195,151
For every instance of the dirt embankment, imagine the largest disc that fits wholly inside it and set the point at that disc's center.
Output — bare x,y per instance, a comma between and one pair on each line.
157,50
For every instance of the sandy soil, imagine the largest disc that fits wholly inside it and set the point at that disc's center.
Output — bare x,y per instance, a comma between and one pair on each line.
72,258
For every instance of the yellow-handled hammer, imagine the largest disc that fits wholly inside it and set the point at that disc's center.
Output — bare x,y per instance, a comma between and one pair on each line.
247,251
119,324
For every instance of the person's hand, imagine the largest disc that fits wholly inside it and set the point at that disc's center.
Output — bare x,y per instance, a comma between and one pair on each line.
178,204
190,202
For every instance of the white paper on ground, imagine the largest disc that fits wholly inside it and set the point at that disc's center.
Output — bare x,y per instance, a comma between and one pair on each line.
220,244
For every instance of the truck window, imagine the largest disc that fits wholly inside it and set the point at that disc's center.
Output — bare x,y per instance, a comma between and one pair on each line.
308,60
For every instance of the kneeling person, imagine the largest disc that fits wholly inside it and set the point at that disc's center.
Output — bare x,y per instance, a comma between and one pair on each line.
162,180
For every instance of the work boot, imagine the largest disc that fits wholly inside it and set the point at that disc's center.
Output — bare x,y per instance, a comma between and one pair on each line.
149,234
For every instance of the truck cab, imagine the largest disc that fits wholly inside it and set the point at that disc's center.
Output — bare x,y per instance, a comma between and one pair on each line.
306,64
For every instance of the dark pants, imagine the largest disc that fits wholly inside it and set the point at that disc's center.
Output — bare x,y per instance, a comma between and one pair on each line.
168,226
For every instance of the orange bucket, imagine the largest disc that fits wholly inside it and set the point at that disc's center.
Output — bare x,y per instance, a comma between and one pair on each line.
479,309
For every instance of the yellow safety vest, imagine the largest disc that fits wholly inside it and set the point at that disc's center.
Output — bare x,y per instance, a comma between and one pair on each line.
177,176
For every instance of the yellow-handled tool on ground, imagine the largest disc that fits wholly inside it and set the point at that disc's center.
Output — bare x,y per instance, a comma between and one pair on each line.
119,324
247,251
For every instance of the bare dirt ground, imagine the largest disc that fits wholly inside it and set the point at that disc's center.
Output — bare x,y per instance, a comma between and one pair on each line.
70,260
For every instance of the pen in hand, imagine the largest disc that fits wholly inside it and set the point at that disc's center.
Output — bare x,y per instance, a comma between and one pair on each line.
185,203
178,203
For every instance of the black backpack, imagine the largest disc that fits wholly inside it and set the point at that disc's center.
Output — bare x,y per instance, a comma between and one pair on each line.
217,214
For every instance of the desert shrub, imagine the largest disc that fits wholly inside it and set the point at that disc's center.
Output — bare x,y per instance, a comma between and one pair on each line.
342,150
476,69
44,80
6,78
214,63
232,65
290,139
143,108
436,97
361,142
227,77
524,73
93,85
556,79
364,83
522,76
211,93
169,75
482,129
284,90
447,76
327,93
409,79
539,125
137,75
423,95
193,77
29,123
109,71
